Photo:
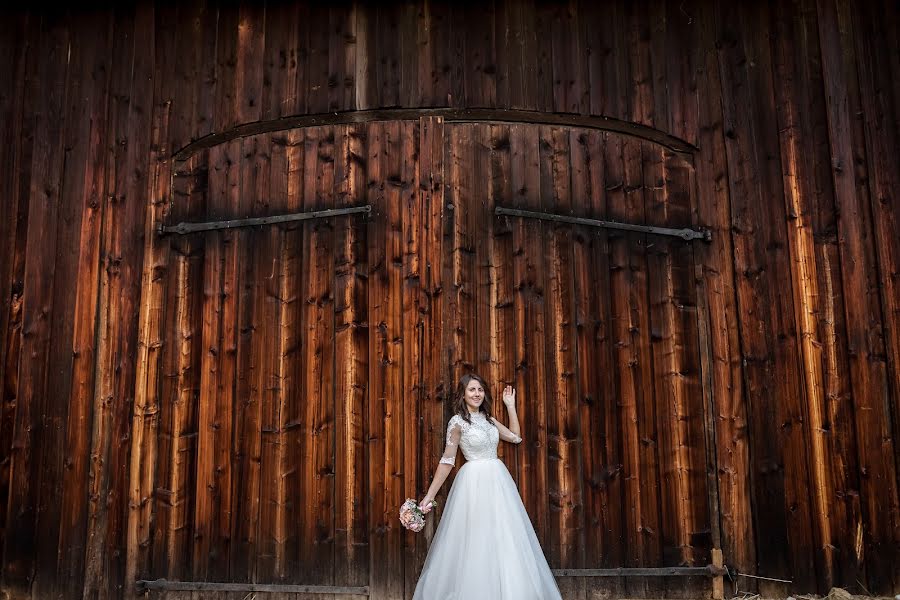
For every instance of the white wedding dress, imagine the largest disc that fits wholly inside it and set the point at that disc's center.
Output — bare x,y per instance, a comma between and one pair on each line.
485,547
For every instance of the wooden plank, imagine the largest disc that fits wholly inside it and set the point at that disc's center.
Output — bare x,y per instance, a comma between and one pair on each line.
718,303
284,61
685,49
768,348
351,357
456,55
435,269
18,127
24,546
409,52
82,196
479,223
569,67
248,70
626,292
411,335
501,290
387,54
385,567
667,376
394,347
701,511
863,312
481,55
566,543
438,81
319,352
276,561
601,457
342,52
877,70
530,330
461,303
792,103
214,467
225,100
366,82
152,320
251,348
316,66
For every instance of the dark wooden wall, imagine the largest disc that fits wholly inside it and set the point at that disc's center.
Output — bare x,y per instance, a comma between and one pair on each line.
127,409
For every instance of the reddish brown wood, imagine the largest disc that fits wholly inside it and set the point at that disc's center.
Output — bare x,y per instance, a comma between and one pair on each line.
84,189
866,349
790,307
34,411
351,363
719,305
876,70
564,447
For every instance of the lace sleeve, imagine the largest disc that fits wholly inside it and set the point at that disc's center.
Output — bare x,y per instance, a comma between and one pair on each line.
509,436
454,431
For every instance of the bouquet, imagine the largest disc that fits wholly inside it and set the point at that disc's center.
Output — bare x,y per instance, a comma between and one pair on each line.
411,516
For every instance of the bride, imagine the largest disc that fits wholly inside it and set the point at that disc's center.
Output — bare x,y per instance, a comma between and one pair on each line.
485,547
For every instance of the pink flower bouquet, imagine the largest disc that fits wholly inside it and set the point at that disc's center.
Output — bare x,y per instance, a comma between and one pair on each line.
411,516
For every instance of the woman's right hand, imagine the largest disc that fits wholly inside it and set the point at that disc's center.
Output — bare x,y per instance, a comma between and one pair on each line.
426,504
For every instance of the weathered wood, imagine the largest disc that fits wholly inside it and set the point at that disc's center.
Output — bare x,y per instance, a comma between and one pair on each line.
25,549
84,187
209,586
792,104
876,72
602,123
501,292
529,308
761,409
719,305
865,335
435,266
22,33
150,338
351,363
564,444
411,333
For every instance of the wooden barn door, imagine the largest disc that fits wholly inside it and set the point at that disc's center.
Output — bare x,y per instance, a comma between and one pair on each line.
290,383
598,329
299,387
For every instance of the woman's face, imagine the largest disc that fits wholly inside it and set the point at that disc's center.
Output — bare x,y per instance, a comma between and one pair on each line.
474,395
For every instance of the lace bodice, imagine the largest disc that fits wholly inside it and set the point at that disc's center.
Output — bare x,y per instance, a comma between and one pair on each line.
477,439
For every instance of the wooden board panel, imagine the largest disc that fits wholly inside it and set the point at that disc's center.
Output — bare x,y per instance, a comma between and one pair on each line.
529,326
351,357
35,415
865,334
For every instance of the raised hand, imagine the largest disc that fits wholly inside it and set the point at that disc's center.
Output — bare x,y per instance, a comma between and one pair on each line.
509,396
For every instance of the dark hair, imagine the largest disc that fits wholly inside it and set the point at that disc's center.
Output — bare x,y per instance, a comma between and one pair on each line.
459,399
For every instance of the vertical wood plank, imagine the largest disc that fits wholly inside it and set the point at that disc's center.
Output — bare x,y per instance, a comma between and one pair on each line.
530,327
84,188
564,448
411,332
25,551
718,303
865,334
351,362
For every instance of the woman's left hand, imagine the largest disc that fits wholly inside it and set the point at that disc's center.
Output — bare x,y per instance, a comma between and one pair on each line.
509,396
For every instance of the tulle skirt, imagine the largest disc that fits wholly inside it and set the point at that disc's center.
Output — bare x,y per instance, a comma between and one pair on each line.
485,547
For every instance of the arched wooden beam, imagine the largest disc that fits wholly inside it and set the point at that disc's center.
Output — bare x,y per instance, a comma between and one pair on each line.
450,115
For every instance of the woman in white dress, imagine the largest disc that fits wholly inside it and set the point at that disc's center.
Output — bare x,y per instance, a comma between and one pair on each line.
485,547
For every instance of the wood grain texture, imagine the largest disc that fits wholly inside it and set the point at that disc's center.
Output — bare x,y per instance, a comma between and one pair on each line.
254,404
